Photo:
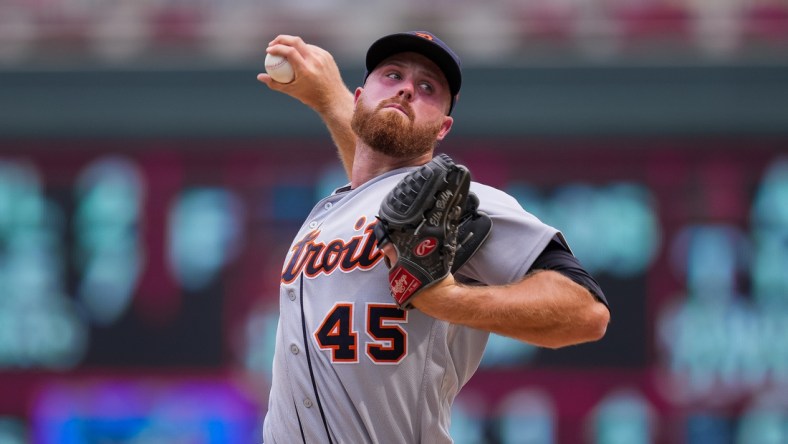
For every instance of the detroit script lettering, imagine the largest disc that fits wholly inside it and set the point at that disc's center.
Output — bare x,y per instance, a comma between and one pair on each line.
315,258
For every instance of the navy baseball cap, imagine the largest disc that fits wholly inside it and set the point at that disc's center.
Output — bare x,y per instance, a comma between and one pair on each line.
424,43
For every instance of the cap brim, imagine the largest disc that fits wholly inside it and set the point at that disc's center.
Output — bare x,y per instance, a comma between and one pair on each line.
389,45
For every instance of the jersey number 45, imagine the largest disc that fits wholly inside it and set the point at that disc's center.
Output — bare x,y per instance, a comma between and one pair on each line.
388,341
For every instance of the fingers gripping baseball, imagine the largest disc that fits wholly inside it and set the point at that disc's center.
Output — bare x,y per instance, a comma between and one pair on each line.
316,78
420,219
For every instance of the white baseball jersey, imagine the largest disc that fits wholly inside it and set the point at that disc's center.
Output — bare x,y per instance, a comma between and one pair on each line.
349,366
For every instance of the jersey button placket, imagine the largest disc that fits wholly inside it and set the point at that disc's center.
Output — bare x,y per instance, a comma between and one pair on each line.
308,403
291,294
294,349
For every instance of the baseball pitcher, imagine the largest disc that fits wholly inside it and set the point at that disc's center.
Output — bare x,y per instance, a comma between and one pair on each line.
394,282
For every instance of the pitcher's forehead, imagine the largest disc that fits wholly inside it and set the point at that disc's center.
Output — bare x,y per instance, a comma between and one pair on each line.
419,61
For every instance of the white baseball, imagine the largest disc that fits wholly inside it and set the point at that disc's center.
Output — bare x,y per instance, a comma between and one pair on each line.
279,68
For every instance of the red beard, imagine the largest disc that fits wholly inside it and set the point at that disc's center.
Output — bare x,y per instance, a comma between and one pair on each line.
392,133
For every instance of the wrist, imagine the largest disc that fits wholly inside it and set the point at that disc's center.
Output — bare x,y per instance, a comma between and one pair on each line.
330,104
437,295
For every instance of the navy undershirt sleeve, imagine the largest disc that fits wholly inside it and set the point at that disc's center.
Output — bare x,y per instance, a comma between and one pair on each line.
557,257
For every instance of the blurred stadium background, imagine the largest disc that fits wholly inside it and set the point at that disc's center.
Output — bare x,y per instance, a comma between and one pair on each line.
149,188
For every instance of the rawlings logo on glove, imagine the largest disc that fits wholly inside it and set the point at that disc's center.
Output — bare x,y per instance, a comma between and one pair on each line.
432,221
425,247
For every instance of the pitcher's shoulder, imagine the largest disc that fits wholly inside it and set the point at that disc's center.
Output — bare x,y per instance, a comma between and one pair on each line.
491,198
